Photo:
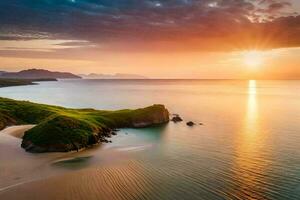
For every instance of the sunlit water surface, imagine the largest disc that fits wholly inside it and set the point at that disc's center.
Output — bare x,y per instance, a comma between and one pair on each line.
248,147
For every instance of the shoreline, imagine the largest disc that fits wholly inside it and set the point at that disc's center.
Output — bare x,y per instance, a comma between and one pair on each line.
60,129
21,169
13,82
16,131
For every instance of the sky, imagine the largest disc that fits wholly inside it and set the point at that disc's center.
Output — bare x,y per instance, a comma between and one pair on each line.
154,38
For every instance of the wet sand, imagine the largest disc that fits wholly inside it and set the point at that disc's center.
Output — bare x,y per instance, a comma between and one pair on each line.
39,174
118,181
18,166
16,131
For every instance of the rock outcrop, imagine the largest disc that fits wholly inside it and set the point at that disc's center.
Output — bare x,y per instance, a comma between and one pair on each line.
190,123
176,118
157,114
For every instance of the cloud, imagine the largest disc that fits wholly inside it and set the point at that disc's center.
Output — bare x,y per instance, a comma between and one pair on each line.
41,45
169,25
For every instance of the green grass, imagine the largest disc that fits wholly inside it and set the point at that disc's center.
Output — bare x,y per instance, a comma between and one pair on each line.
69,129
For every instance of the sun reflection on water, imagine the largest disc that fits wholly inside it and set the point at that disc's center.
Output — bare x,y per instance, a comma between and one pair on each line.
249,136
251,107
249,171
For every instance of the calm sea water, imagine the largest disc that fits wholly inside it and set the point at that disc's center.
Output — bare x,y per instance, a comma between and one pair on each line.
248,147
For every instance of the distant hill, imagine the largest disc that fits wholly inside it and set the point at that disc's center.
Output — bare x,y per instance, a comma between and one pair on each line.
38,74
112,76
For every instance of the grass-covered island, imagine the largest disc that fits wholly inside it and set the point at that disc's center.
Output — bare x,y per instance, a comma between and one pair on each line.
61,129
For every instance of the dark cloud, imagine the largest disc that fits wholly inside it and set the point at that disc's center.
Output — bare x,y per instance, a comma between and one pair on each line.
148,24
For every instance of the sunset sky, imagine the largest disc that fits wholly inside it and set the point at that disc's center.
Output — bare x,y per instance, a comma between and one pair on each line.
155,38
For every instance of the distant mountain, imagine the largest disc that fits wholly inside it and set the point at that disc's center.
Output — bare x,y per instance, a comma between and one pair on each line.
1,72
38,74
112,76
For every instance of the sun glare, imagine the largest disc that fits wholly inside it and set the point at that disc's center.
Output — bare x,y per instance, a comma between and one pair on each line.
253,58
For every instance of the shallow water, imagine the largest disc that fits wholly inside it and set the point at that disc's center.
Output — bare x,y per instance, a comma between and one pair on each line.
248,147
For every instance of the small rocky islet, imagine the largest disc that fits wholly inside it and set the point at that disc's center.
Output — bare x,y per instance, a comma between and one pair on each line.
190,123
176,118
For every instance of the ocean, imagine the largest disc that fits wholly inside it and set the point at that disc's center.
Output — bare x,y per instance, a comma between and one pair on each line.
247,148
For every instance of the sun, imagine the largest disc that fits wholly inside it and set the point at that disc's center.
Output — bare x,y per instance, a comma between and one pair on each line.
253,58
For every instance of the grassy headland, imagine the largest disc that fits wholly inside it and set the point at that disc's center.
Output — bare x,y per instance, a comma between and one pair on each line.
19,82
65,129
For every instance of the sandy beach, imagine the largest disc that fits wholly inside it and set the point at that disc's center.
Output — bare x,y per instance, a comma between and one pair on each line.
22,169
117,181
21,166
16,131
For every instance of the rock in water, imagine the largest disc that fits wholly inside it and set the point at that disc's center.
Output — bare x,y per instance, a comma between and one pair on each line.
176,119
190,123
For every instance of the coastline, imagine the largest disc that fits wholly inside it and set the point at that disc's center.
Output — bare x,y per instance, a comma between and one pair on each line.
60,129
9,82
16,131
22,169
